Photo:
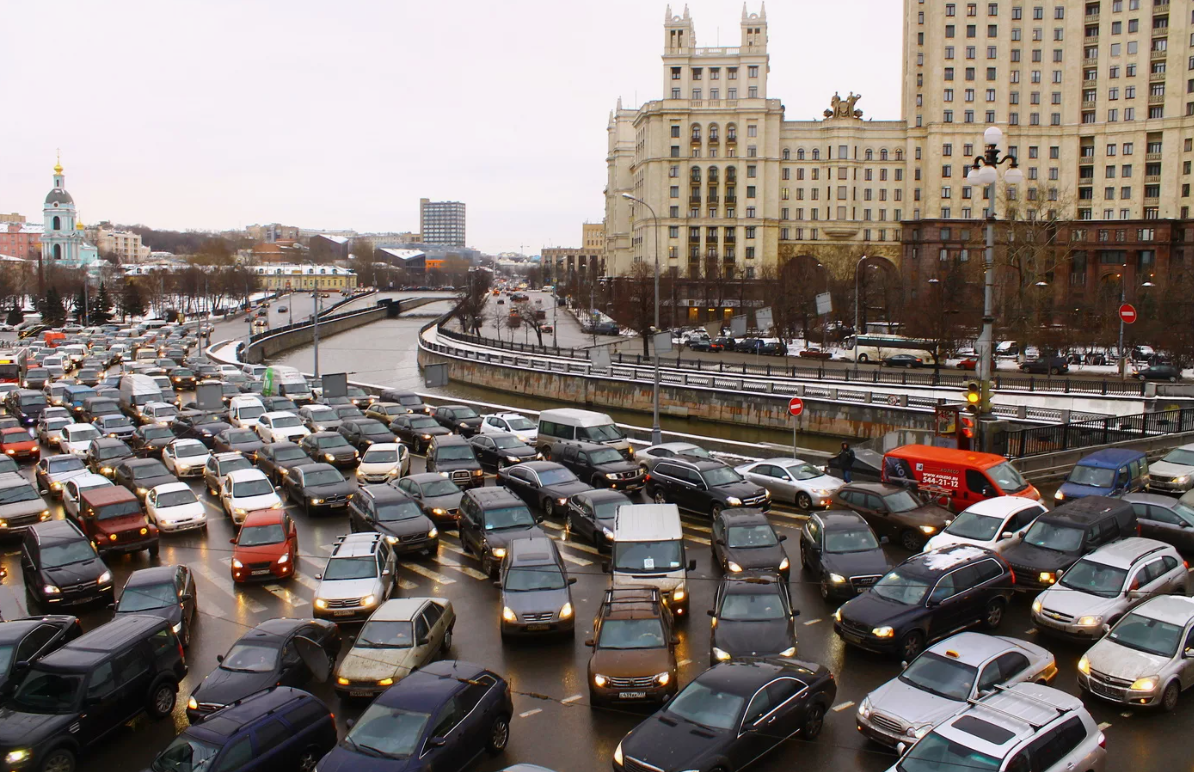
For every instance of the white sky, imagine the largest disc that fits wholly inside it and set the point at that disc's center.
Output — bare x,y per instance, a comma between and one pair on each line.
213,114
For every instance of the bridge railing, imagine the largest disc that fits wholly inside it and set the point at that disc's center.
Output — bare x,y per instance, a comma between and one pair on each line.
1039,440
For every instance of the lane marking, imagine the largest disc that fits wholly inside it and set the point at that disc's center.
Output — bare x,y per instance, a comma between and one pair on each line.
1125,714
552,526
842,706
578,546
684,662
406,584
224,584
573,698
813,622
695,527
461,567
1030,631
576,561
306,581
698,539
427,572
530,713
1104,726
799,518
284,595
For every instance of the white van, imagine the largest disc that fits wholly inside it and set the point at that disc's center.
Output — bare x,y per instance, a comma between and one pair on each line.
137,391
648,551
290,383
572,425
244,411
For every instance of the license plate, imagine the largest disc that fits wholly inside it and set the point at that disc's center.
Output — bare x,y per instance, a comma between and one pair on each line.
359,693
343,613
632,695
538,627
260,572
852,638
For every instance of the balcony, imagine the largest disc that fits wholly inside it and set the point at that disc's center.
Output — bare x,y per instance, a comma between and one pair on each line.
694,239
1149,178
1160,32
1162,6
1088,104
694,200
1156,99
731,200
1156,77
1091,18
1157,56
1090,61
711,200
696,140
732,139
1152,156
1153,201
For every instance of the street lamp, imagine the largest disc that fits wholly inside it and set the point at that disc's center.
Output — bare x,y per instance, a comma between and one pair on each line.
656,433
984,171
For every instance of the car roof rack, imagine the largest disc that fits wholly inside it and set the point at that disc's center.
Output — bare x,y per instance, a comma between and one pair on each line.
610,597
1003,689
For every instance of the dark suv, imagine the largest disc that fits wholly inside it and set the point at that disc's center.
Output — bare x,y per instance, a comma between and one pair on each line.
26,405
491,518
703,485
61,567
453,457
458,418
73,697
926,598
634,648
1058,538
599,465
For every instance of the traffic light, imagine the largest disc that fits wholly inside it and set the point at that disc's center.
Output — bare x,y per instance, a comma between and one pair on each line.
984,403
974,397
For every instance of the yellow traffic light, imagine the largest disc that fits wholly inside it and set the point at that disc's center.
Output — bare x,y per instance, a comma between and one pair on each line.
974,396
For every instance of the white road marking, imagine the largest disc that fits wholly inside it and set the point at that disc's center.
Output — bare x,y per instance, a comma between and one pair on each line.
701,528
406,584
285,595
812,622
327,548
443,560
453,548
1030,631
578,546
530,713
552,526
798,517
573,698
309,582
1125,714
427,572
683,662
224,584
1104,726
697,539
842,706
576,561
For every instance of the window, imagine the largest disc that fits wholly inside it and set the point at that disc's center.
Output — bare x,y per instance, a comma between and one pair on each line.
236,755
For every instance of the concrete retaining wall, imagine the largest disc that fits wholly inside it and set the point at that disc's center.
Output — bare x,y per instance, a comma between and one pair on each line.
261,350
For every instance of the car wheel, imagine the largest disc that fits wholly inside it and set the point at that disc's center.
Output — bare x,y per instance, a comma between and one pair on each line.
715,511
1054,371
186,634
499,735
154,549
569,526
911,541
1170,696
804,501
911,645
813,723
161,700
824,587
447,645
309,759
863,359
1173,379
487,566
548,508
659,498
59,760
994,615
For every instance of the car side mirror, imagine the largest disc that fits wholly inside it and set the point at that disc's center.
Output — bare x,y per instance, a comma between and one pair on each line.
44,492
884,540
350,723
1106,629
571,580
497,583
186,597
590,642
1135,594
319,576
1022,535
437,742
692,565
232,541
605,566
386,572
1006,535
721,542
782,537
904,665
220,658
711,613
1187,653
901,748
540,518
426,639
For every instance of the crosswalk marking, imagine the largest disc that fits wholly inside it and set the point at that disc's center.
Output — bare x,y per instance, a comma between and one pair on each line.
842,706
575,561
578,546
697,539
695,527
406,584
309,582
285,595
461,567
552,526
224,584
428,573
453,548
795,516
530,713
812,622
573,698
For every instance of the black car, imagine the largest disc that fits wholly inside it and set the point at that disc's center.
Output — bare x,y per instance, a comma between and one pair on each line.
416,430
395,515
243,441
752,617
26,405
278,652
24,641
317,487
105,454
90,687
1058,538
453,457
330,448
591,515
1046,366
148,441
491,518
363,432
164,591
278,458
705,486
37,377
198,425
1170,373
438,497
545,485
842,553
730,716
460,419
743,540
601,465
182,379
928,597
408,399
904,360
497,450
141,475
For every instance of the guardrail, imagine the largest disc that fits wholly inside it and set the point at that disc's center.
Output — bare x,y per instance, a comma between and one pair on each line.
1039,440
324,316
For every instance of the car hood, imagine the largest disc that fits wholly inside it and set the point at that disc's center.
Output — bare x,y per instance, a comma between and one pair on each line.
224,686
380,468
1038,558
566,490
251,503
617,467
66,576
343,759
913,706
149,483
504,537
451,501
369,664
1075,491
524,452
470,422
672,743
25,729
630,663
331,489
1077,604
1169,469
456,463
742,489
757,557
850,564
1109,657
260,552
348,588
407,527
536,601
750,639
824,482
182,512
290,431
18,508
873,611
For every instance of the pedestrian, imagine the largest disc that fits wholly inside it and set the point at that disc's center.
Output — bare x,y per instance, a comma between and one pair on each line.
846,459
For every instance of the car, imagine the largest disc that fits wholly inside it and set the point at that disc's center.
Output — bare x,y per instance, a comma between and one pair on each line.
26,405
842,553
279,404
1174,472
460,419
535,594
73,489
752,616
19,444
140,475
744,540
495,450
104,454
60,566
1170,373
280,426
650,456
330,447
344,409
740,711
53,472
382,462
601,465
118,426
944,679
26,640
150,440
590,515
490,519
173,507
247,490
243,441
182,378
163,591
319,418
792,481
520,426
218,466
276,459
364,432
195,425
703,486
358,576
634,649
445,715
993,524
416,430
544,485
278,652
1058,538
926,598
893,511
385,411
452,456
115,521
395,515
265,547
185,458
317,487
905,360
400,637
438,497
1055,365
1105,584
1164,518
76,438
49,429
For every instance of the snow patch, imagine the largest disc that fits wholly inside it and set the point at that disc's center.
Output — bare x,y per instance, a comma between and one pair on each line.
942,560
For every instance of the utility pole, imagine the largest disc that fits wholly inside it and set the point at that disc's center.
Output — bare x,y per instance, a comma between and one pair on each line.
315,335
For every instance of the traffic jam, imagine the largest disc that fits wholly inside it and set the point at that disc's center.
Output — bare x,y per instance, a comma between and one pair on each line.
390,585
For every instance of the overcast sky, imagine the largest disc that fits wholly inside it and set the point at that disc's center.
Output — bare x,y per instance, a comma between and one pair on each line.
214,114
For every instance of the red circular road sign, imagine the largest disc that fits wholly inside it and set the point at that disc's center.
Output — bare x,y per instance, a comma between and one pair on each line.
795,406
1127,313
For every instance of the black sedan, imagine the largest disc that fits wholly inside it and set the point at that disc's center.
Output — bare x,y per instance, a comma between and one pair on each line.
278,458
591,516
752,617
141,475
243,441
363,432
29,639
743,540
1170,373
842,553
279,404
438,496
277,652
183,379
148,441
197,425
317,487
331,448
543,484
500,449
730,716
163,591
416,430
904,360
460,419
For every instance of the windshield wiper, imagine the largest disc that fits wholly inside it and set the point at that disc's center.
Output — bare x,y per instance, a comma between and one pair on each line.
695,723
369,749
930,689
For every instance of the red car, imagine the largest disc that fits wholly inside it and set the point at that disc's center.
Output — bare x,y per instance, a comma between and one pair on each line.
266,547
18,444
968,363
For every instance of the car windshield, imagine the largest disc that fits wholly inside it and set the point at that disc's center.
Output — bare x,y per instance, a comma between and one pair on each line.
940,675
1095,578
332,441
648,555
722,475
250,411
937,754
118,509
257,535
385,634
323,477
1148,635
33,400
519,424
156,432
410,399
348,411
149,470
114,421
250,658
65,463
454,453
970,525
752,607
288,454
508,517
901,588
392,512
902,501
604,456
1094,476
248,488
423,422
242,436
322,414
701,705
631,634
608,510
748,536
22,492
188,450
58,555
382,456
850,540
556,476
6,652
440,488
82,433
506,443
1054,536
177,498
804,471
1181,456
284,421
386,731
186,754
536,578
351,568
57,423
112,451
147,596
45,692
606,433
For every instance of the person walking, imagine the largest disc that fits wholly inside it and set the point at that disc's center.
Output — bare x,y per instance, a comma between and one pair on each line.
846,460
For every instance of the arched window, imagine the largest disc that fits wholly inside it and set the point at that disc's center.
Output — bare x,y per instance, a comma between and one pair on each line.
883,154
57,251
799,154
713,132
695,173
816,154
787,154
696,132
731,173
712,175
899,155
57,223
731,132
870,154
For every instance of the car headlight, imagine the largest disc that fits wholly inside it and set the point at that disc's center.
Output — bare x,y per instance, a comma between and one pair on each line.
562,502
678,594
1084,665
928,530
784,564
1036,606
864,709
316,501
51,589
1090,621
837,578
1147,684
237,564
822,491
883,632
443,474
618,750
1058,496
1047,577
498,552
439,512
611,476
433,533
733,501
601,680
392,539
55,485
192,704
284,559
321,603
425,436
104,578
607,533
329,457
733,567
107,470
788,652
386,682
720,655
566,611
342,681
516,459
368,600
177,628
508,614
276,505
239,511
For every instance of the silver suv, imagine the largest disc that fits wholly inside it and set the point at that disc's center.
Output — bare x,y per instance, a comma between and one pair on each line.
1102,586
358,578
1147,659
1025,728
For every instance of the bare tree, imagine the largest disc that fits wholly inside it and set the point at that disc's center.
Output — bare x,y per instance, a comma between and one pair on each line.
635,303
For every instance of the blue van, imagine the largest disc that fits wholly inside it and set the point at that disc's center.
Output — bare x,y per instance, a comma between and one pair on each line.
1109,472
75,396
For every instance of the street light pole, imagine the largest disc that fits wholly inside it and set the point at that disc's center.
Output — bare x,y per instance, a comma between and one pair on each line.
656,433
315,334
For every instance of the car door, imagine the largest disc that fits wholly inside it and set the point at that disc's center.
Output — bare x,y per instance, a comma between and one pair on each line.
1162,524
445,748
810,544
948,611
754,733
426,643
1186,659
292,670
103,707
469,526
583,517
519,481
717,540
874,511
274,747
486,451
185,584
35,644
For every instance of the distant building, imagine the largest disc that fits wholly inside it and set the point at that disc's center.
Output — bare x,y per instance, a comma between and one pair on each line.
273,232
442,222
326,247
593,236
126,245
412,260
563,263
274,253
62,241
11,217
19,238
323,277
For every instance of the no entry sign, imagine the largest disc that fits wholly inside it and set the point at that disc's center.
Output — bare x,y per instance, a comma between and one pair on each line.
795,406
1127,313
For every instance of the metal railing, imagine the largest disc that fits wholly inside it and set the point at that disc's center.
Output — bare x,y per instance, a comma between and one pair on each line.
325,315
1039,440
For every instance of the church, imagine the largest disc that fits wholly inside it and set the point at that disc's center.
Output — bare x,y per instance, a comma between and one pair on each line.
62,241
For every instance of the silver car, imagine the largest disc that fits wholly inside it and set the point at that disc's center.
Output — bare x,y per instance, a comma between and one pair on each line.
943,679
649,457
320,418
1102,586
358,577
1147,658
1174,473
793,481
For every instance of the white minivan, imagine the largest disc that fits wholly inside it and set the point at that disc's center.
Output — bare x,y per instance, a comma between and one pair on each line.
648,551
244,411
572,425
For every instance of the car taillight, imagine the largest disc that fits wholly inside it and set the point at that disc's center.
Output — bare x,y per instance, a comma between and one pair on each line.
1139,532
1102,740
181,655
647,477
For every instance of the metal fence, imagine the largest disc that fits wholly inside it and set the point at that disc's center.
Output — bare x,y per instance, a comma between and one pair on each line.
1039,440
324,316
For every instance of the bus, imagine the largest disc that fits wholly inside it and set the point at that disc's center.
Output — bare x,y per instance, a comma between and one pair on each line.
875,347
11,364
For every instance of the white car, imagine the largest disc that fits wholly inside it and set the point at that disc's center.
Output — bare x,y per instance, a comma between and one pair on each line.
793,481
281,426
244,412
245,491
387,648
174,507
186,458
76,438
228,369
73,488
514,423
649,457
384,461
993,524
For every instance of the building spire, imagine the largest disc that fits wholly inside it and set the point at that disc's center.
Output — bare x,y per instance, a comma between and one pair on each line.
58,166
